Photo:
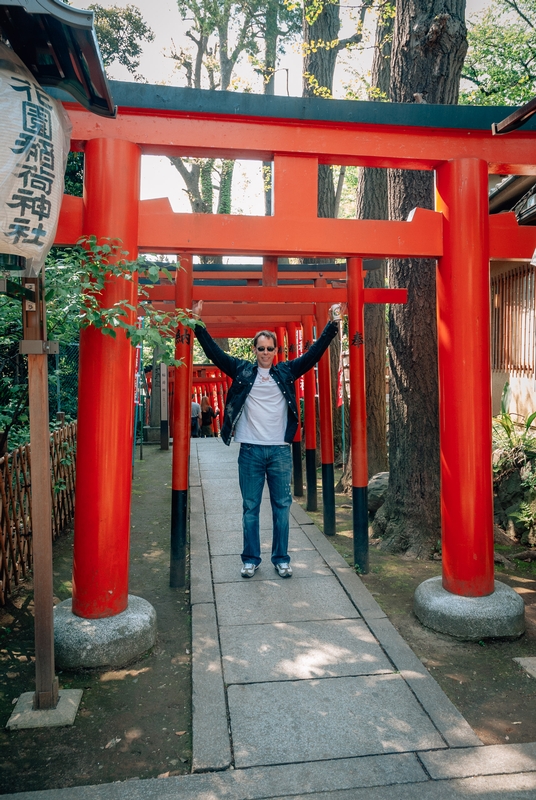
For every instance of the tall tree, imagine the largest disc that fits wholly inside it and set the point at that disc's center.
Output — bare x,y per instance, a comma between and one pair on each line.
275,24
222,31
210,64
372,204
500,68
321,46
429,46
120,32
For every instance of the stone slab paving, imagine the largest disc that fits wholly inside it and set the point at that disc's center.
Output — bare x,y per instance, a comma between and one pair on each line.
255,783
528,664
229,542
311,667
301,650
495,759
293,721
305,564
392,777
509,787
278,600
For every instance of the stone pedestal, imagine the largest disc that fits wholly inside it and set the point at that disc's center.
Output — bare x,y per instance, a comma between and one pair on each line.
151,435
112,641
25,716
500,615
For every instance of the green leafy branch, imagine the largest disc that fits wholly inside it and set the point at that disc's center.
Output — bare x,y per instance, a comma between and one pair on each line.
514,443
81,276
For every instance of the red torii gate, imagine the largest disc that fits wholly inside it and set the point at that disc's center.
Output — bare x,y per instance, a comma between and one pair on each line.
460,234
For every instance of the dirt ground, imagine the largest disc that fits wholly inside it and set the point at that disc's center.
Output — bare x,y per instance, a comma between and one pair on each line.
494,694
133,722
136,722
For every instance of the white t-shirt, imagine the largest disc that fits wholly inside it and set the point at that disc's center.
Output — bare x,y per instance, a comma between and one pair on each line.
264,416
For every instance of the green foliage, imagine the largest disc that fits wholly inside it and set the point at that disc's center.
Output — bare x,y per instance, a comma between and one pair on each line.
501,61
514,443
74,174
78,281
347,206
120,32
75,282
241,348
313,8
13,413
514,467
525,515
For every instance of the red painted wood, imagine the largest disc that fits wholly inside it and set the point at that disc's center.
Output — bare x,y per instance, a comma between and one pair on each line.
358,406
213,136
292,338
106,390
309,387
184,342
463,313
324,390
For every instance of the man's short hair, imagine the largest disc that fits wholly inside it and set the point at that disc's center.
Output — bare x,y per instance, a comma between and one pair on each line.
269,335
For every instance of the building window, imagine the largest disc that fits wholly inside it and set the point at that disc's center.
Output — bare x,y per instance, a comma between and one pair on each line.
513,342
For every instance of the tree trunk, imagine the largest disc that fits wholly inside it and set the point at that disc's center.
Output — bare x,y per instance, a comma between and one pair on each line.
429,45
270,58
372,204
319,62
318,70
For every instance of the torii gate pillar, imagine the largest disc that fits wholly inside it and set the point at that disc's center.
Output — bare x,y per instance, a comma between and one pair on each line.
124,626
466,602
297,468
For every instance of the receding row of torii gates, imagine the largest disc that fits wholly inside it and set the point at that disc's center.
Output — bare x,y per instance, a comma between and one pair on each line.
292,339
297,136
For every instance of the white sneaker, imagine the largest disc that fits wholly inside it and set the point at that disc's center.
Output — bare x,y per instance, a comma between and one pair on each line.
249,570
284,570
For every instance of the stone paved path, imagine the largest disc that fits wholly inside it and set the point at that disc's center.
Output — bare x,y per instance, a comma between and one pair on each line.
302,687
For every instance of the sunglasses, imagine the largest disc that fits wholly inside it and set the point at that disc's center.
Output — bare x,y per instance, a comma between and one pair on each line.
261,349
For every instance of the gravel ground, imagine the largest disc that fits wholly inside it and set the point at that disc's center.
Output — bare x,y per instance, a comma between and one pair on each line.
133,722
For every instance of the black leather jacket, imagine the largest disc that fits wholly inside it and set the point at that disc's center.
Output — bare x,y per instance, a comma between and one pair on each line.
244,373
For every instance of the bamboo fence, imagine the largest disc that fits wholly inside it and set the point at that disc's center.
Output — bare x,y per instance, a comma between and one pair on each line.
16,507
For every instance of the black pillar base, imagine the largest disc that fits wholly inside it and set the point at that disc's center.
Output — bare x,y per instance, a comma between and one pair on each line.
164,434
310,475
297,469
179,527
360,524
328,499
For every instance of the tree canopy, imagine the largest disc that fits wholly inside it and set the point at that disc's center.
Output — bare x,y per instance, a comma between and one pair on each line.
120,32
500,67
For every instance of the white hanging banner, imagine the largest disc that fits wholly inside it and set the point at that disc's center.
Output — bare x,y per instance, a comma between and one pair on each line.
34,144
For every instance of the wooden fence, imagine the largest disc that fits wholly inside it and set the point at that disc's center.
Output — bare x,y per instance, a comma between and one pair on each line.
15,504
513,329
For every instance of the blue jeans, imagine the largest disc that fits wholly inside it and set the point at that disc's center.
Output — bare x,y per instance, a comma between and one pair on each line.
255,464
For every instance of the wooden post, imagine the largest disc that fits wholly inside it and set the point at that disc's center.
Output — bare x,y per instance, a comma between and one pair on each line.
46,683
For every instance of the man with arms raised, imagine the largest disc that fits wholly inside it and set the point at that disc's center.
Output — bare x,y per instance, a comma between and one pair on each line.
262,415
